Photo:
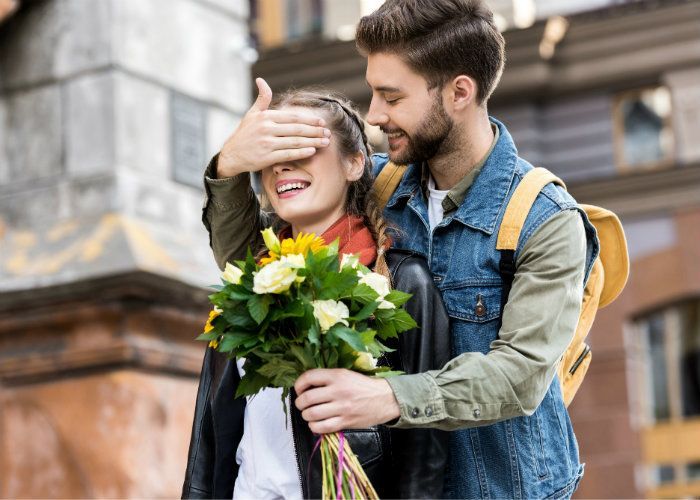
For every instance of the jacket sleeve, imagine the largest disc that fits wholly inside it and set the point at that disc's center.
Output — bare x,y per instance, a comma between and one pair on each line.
420,455
201,456
231,215
538,322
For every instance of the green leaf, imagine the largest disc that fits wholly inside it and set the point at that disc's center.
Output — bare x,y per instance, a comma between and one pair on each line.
363,293
251,383
332,358
366,311
349,335
346,358
398,297
259,306
217,297
231,341
304,355
383,373
367,336
208,336
403,321
333,247
281,372
294,309
334,285
239,318
315,334
386,329
239,293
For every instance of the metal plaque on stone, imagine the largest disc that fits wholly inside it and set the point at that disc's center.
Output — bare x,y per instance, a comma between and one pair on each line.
188,134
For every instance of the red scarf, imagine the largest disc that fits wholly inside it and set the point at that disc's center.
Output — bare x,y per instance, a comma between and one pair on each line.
354,236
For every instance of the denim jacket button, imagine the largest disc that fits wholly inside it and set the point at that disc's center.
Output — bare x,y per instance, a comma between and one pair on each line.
480,308
429,411
477,413
415,412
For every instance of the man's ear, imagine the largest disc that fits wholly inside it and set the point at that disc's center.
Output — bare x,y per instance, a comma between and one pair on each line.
355,166
463,92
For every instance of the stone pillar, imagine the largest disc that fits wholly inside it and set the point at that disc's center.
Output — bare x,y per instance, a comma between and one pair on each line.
109,110
685,93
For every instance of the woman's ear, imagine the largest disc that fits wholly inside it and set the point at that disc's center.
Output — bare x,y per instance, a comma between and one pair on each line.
355,166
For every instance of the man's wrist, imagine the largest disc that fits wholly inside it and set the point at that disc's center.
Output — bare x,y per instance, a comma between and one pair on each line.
391,409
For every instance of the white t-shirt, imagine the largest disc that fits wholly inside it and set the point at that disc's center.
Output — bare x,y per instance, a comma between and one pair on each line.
435,197
267,462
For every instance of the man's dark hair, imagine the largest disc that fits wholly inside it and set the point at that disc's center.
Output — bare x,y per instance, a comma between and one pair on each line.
439,39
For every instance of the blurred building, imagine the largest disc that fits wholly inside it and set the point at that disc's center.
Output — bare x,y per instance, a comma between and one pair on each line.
606,94
109,110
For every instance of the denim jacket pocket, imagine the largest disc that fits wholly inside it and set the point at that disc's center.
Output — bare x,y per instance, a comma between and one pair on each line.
477,303
474,311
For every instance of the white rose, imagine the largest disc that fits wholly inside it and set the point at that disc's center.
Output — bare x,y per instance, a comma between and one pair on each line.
330,312
349,260
365,362
385,304
232,274
276,277
293,260
376,282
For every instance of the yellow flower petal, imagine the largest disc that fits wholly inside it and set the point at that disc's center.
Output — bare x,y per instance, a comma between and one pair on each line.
303,244
212,314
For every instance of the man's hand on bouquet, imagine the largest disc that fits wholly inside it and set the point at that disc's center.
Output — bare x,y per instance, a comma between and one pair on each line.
265,137
332,400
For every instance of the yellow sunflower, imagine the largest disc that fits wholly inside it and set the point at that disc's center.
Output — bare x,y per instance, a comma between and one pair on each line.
208,326
301,245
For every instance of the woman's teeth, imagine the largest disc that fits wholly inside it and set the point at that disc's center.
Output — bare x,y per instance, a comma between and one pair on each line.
293,185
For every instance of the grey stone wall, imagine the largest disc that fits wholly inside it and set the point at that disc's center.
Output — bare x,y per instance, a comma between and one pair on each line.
91,134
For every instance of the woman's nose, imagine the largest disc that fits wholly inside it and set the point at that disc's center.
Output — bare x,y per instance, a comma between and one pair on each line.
278,168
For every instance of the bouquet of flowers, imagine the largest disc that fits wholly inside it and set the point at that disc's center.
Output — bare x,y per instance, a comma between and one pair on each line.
298,308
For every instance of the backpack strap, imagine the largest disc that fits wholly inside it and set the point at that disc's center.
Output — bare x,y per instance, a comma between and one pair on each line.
387,181
512,224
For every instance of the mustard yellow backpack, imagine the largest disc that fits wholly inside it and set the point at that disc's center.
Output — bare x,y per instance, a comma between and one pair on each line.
605,282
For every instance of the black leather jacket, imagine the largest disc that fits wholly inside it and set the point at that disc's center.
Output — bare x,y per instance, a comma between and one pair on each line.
400,463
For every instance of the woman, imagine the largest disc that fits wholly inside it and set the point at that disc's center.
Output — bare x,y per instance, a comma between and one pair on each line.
248,448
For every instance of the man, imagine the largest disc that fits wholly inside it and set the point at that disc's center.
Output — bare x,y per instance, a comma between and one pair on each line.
431,67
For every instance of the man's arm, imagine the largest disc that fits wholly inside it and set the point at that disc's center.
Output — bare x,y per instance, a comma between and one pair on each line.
475,389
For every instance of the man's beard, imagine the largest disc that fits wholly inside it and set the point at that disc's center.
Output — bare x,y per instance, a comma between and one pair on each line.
430,138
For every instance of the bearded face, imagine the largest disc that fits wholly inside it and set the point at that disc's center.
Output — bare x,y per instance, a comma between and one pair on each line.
430,137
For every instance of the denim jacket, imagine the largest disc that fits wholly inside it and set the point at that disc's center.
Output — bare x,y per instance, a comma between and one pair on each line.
530,456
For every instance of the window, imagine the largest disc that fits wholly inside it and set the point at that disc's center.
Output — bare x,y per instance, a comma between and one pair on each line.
304,18
643,132
665,347
275,23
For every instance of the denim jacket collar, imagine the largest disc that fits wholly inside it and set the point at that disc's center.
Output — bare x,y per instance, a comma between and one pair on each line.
486,198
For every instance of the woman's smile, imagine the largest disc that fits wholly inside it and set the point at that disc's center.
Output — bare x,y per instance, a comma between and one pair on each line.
288,188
